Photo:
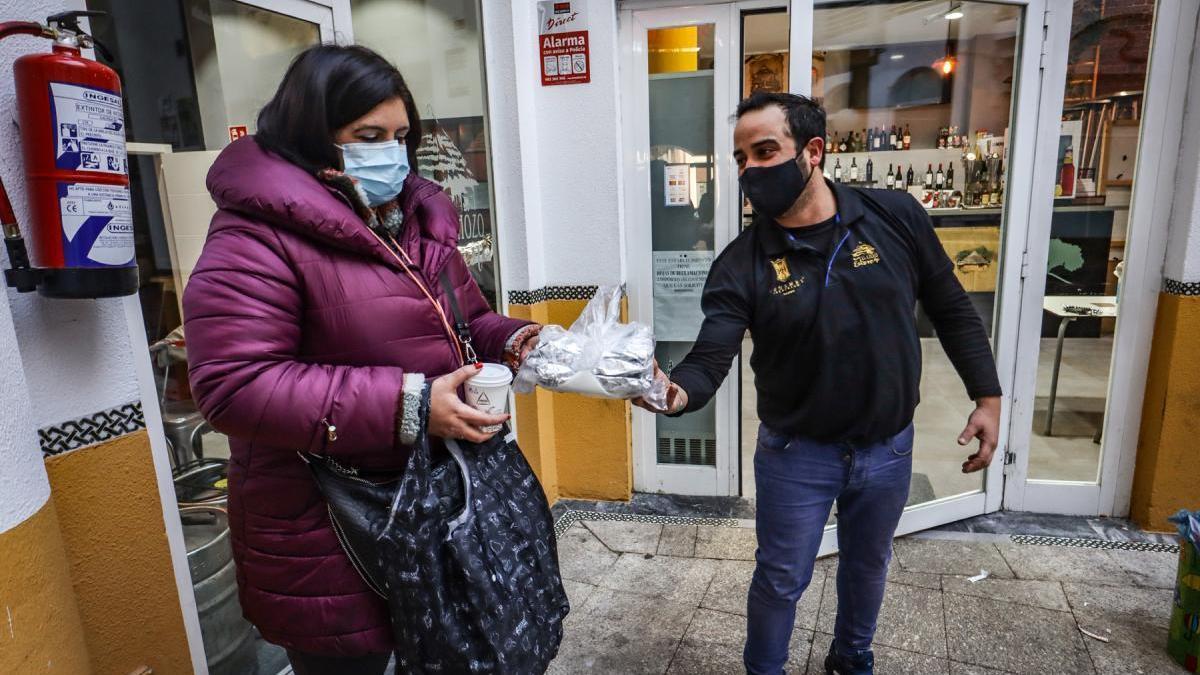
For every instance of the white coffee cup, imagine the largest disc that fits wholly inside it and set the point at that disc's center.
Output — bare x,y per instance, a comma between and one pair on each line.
488,391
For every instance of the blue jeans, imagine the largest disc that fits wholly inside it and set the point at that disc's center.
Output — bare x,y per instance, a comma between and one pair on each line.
798,481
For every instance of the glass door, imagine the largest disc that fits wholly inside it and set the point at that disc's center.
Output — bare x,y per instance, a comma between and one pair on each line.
1089,229
679,76
939,99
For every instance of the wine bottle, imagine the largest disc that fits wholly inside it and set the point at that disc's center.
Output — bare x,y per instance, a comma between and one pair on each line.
908,180
843,145
837,171
854,170
878,145
893,139
929,177
939,179
908,139
870,170
891,178
950,177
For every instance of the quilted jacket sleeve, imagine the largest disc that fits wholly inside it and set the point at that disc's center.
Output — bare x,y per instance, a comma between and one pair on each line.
243,316
489,331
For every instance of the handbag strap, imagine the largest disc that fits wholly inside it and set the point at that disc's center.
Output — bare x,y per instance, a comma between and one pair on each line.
460,323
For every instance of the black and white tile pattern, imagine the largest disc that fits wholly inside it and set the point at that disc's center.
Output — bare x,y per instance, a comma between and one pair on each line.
1035,540
569,518
91,429
551,293
1172,287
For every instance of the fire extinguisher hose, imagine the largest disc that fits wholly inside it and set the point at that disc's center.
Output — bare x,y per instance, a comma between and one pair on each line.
8,28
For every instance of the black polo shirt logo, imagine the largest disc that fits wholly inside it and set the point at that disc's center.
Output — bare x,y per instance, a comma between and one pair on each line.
864,254
785,284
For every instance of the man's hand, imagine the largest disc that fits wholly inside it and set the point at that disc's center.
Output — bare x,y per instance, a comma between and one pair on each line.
983,424
677,398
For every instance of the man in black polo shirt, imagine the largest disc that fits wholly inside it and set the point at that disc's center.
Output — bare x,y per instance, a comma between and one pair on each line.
827,280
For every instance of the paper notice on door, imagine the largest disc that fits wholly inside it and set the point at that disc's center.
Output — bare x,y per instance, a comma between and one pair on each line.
678,282
678,186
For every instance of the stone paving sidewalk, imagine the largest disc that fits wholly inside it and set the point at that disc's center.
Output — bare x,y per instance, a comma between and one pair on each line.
654,598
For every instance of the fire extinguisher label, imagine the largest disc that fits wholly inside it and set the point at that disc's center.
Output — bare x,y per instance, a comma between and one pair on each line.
89,129
97,225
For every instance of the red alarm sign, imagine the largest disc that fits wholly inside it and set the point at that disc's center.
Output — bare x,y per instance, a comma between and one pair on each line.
563,43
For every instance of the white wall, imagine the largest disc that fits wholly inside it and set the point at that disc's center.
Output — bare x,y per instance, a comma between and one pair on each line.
76,353
1183,246
23,484
556,154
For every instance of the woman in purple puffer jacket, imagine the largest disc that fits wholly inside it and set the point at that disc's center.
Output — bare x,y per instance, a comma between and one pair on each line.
316,320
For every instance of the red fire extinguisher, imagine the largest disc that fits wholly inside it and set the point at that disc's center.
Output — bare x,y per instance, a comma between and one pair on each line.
72,127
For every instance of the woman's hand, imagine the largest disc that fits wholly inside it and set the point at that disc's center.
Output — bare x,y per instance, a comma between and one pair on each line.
449,417
529,346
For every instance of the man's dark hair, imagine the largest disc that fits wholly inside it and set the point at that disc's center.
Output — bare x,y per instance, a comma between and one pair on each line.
805,119
326,88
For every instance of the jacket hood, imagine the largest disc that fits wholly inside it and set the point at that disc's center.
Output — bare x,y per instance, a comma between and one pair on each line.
252,181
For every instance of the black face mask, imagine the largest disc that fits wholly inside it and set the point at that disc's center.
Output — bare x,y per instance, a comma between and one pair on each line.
773,189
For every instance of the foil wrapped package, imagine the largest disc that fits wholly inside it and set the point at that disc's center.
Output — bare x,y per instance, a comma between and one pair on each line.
597,356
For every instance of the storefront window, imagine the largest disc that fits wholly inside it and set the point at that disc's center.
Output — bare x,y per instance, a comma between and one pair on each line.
1101,120
438,47
919,98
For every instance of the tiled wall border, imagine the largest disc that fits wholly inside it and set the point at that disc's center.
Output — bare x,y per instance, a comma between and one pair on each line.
551,293
91,429
1172,287
1074,542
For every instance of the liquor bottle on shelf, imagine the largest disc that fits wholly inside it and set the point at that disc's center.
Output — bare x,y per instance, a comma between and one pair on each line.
950,177
878,145
844,145
870,170
900,177
1067,175
908,138
939,179
908,179
891,178
941,140
929,177
837,171
828,142
863,146
953,137
893,139
854,170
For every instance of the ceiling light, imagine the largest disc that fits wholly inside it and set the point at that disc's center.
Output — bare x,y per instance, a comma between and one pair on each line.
897,57
954,14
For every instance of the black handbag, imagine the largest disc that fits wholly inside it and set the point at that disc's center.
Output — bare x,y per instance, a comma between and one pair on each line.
462,547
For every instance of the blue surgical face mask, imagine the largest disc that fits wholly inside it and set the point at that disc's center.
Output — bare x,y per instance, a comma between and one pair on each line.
379,168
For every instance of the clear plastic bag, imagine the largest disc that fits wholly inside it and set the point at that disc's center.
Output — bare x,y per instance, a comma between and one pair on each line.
598,356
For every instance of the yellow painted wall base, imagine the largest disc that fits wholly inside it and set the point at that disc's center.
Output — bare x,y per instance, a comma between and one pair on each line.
111,521
1168,460
580,447
40,628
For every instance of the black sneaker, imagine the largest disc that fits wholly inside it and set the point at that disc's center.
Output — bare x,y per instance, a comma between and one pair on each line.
861,663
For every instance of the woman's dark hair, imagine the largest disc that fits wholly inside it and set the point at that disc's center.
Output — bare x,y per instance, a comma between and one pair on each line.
326,88
805,117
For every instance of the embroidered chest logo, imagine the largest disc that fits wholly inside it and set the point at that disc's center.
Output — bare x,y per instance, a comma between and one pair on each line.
785,283
864,254
782,272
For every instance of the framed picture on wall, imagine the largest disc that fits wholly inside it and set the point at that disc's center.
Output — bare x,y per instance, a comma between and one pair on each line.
1065,177
765,72
1118,151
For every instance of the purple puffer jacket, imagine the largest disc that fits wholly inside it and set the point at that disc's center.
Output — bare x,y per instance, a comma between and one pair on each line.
298,317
